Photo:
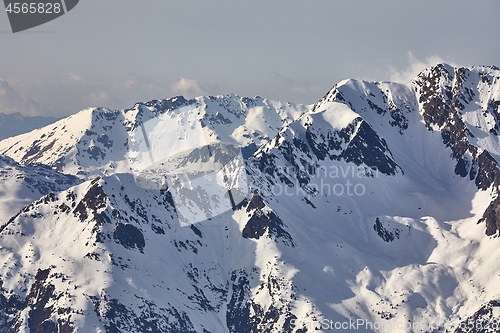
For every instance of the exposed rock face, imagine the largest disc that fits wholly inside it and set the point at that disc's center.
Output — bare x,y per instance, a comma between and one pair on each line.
446,95
484,320
264,221
129,236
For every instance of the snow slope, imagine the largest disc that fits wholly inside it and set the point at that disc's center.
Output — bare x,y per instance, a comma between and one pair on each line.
21,185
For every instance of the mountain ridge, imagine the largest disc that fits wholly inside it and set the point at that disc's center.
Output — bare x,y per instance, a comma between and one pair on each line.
83,145
363,208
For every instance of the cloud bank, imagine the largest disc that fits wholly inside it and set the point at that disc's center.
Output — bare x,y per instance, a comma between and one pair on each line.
187,87
415,67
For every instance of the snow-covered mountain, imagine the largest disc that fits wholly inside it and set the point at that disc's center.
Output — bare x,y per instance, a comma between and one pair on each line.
424,158
374,210
95,141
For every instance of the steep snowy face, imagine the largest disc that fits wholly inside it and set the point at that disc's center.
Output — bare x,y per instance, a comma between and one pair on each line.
459,104
463,105
88,140
328,134
101,231
400,200
20,185
107,255
95,141
61,256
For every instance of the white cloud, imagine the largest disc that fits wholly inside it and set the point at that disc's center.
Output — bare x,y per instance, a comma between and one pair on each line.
73,92
312,89
75,77
415,67
187,87
140,82
123,94
12,101
99,98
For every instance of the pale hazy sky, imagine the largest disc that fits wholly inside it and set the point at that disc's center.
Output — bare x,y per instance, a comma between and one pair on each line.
114,53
